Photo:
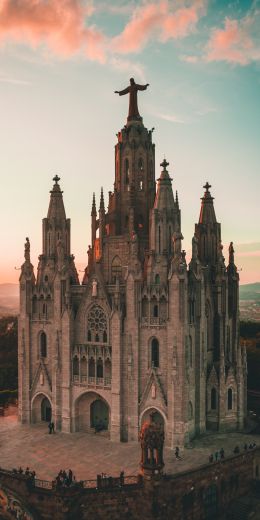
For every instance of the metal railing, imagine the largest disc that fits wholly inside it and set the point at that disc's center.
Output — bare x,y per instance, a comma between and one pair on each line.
44,484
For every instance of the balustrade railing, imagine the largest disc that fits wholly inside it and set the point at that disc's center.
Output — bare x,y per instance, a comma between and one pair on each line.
104,382
153,321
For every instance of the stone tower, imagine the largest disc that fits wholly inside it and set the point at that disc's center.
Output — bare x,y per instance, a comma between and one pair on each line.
144,336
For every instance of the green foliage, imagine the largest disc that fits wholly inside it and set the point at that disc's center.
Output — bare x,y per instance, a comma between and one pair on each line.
8,353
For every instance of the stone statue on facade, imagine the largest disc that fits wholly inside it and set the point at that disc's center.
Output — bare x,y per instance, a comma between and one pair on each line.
60,252
132,90
177,238
195,248
231,252
27,250
94,288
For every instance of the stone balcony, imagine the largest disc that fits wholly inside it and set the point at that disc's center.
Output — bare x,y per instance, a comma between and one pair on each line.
92,382
153,322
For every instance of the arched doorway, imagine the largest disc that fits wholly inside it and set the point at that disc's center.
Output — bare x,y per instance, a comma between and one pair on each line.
45,410
92,413
41,409
99,415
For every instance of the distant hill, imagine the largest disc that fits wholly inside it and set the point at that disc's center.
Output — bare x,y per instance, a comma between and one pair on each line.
250,291
9,296
9,299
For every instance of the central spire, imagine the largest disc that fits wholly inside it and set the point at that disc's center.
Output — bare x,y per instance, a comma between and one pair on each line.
133,112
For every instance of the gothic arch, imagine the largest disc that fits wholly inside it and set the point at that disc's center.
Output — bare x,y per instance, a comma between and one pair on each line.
88,415
36,406
42,344
116,269
144,415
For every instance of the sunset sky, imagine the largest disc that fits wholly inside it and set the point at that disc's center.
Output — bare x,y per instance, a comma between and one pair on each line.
60,62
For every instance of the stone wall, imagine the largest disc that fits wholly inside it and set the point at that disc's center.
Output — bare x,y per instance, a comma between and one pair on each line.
200,494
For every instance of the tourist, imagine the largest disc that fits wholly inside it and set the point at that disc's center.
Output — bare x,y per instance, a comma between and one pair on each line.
27,471
222,453
177,453
216,456
236,450
70,476
245,446
211,458
122,478
50,427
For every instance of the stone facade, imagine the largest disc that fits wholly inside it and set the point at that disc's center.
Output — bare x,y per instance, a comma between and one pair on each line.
145,334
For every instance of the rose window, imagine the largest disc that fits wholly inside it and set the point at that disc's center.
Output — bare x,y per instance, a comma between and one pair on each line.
97,321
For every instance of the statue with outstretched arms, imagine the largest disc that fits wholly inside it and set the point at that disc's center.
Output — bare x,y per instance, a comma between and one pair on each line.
132,90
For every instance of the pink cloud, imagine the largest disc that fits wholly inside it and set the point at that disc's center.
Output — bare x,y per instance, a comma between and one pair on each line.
157,20
59,24
236,43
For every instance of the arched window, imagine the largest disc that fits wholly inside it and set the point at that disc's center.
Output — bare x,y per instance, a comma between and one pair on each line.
104,337
43,345
75,366
209,326
116,269
163,309
140,174
144,307
126,171
83,367
230,399
213,399
190,352
34,305
108,368
89,335
190,411
140,165
91,367
97,338
155,311
157,279
99,368
155,353
170,240
191,310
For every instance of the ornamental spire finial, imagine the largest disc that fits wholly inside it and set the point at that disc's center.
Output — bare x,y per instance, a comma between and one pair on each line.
56,179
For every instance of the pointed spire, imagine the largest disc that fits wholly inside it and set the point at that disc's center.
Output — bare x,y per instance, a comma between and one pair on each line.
56,207
93,211
207,212
164,196
102,204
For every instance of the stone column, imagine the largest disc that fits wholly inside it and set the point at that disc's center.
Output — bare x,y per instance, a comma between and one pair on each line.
115,416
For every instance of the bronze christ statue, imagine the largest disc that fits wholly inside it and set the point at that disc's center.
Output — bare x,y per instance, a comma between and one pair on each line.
133,112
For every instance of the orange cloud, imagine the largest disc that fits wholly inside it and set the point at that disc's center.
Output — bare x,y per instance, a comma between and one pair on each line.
59,24
157,20
236,43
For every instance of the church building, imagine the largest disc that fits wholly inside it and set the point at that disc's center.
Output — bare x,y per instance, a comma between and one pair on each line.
144,336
